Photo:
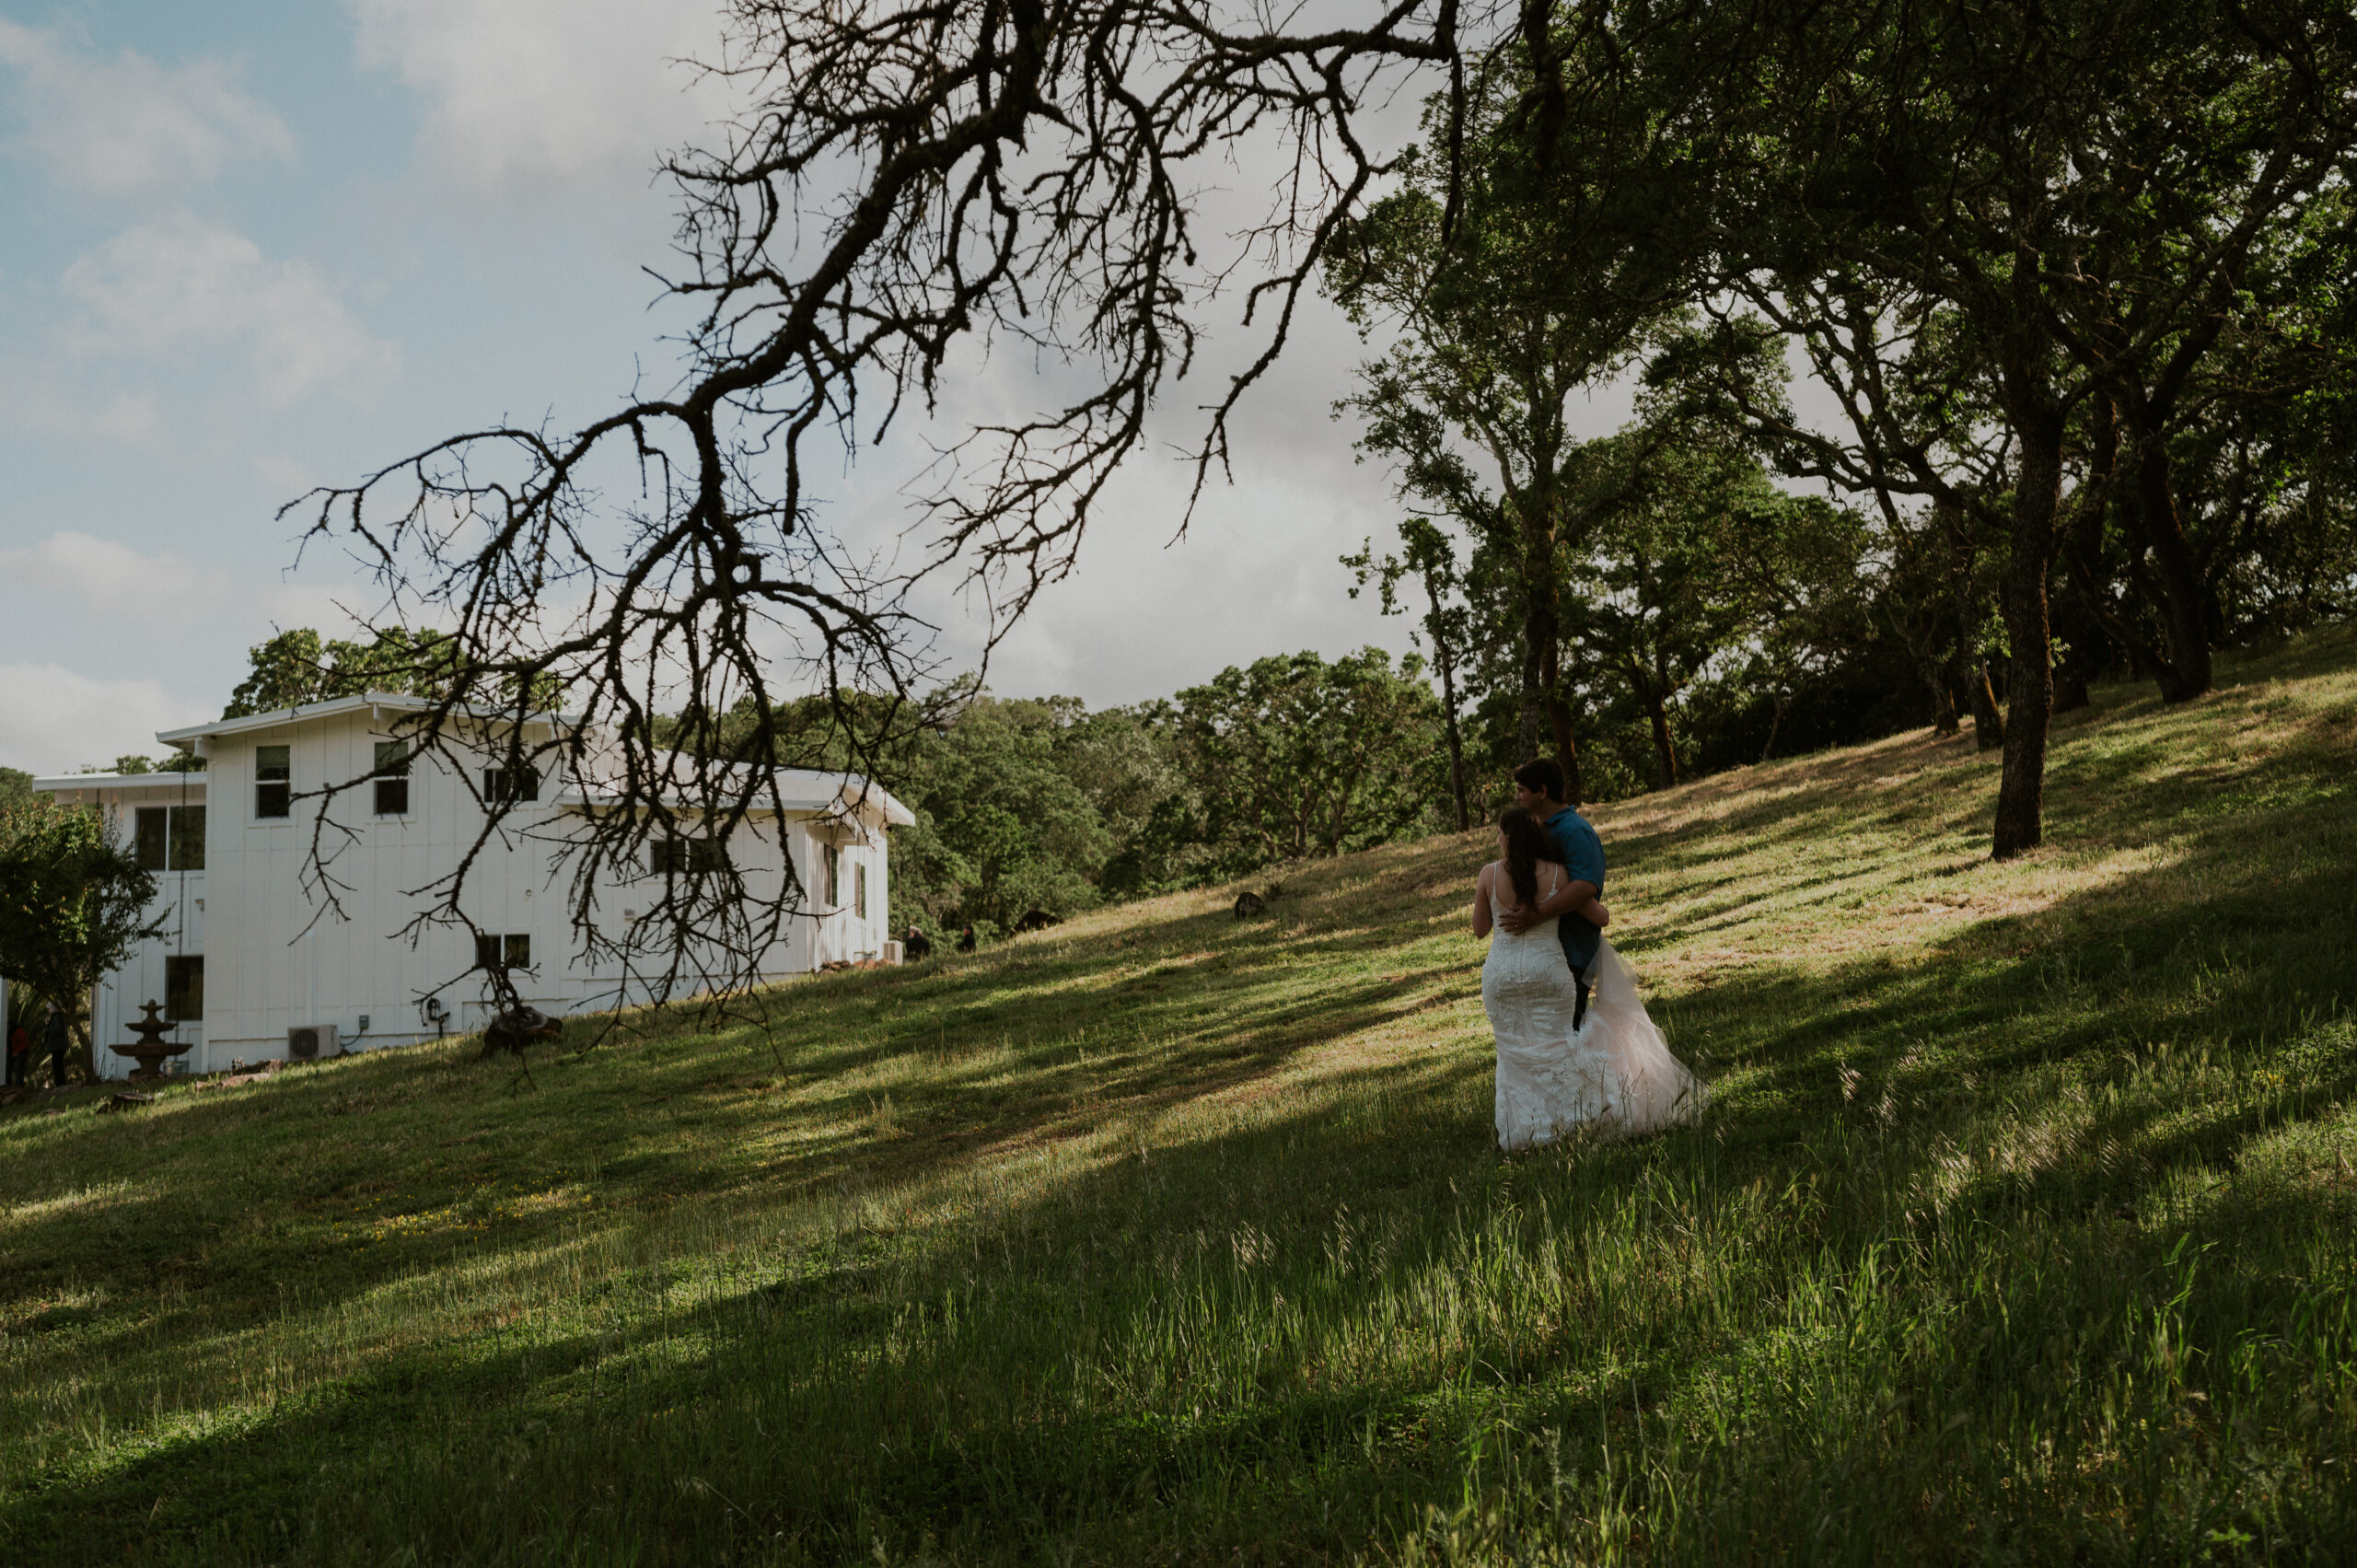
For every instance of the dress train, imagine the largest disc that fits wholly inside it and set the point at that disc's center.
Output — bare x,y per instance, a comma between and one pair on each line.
1613,1077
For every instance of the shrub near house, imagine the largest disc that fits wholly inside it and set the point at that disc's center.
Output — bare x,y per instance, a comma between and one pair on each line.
72,904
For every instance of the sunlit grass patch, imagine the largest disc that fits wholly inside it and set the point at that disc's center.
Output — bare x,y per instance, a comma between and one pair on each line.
2019,1228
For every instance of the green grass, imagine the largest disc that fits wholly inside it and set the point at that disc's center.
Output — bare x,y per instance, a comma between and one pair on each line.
2021,1228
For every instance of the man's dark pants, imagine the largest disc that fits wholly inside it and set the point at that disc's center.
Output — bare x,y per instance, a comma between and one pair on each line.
1579,978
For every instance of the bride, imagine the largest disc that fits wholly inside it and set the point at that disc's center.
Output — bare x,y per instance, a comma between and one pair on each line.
1614,1073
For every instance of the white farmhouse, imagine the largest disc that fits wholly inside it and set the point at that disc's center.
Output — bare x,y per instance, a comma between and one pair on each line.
249,967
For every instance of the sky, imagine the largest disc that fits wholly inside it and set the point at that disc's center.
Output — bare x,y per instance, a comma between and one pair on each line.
249,248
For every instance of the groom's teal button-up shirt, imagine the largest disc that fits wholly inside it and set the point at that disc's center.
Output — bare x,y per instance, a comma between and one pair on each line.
1581,853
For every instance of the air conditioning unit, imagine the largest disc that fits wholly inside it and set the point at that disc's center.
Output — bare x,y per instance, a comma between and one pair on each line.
309,1042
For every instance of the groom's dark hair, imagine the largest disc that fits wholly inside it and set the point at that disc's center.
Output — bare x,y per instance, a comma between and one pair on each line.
1543,773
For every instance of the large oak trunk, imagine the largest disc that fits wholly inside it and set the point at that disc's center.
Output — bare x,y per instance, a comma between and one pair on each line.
2079,626
1944,715
1988,724
2029,682
1558,721
2185,669
1665,750
1947,679
2076,638
1542,694
1456,738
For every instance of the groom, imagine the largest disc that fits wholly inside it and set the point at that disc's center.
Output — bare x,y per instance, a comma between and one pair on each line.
1539,789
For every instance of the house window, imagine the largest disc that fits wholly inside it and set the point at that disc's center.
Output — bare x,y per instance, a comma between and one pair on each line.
185,987
505,786
147,837
834,877
392,778
188,838
859,891
510,952
273,781
686,858
169,838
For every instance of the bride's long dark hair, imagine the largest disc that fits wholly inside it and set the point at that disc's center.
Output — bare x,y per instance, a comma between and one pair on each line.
1527,845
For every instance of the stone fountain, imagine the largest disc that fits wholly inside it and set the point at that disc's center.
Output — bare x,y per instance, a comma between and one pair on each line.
152,1047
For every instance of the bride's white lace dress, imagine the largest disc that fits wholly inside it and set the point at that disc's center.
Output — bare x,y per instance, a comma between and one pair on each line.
1615,1076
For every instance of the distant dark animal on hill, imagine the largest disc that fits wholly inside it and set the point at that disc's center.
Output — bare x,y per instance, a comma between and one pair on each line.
916,945
515,1030
1037,920
966,940
1249,903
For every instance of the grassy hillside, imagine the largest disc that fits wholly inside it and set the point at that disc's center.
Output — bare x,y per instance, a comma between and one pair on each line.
2020,1226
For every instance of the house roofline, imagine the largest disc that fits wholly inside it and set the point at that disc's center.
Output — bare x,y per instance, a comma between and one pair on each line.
335,707
117,781
847,791
850,789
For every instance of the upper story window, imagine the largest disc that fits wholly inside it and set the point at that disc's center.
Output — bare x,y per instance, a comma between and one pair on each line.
685,857
504,787
169,838
273,781
392,778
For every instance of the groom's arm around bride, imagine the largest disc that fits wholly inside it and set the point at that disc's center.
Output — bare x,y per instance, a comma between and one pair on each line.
1539,789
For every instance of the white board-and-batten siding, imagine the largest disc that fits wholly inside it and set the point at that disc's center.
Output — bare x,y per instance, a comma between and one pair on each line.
276,959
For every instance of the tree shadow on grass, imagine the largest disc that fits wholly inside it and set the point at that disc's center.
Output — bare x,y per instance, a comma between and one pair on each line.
302,1201
993,1441
830,1397
328,1444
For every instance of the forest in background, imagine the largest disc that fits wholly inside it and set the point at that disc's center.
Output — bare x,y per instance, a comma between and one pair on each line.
1978,356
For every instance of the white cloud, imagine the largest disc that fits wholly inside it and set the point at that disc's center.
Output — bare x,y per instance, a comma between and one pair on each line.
538,97
128,125
107,614
37,395
286,475
128,419
1257,574
179,281
283,605
112,578
53,720
1144,613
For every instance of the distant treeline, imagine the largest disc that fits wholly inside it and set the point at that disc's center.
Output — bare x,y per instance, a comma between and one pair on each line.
1037,803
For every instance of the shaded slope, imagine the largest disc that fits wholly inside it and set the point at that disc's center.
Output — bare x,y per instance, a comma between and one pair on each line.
2020,1224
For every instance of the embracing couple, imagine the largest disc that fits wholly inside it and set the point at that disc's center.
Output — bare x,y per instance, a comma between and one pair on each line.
1576,1051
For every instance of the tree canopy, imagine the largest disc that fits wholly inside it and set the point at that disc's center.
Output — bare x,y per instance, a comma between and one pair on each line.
73,903
2056,270
299,666
2073,278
